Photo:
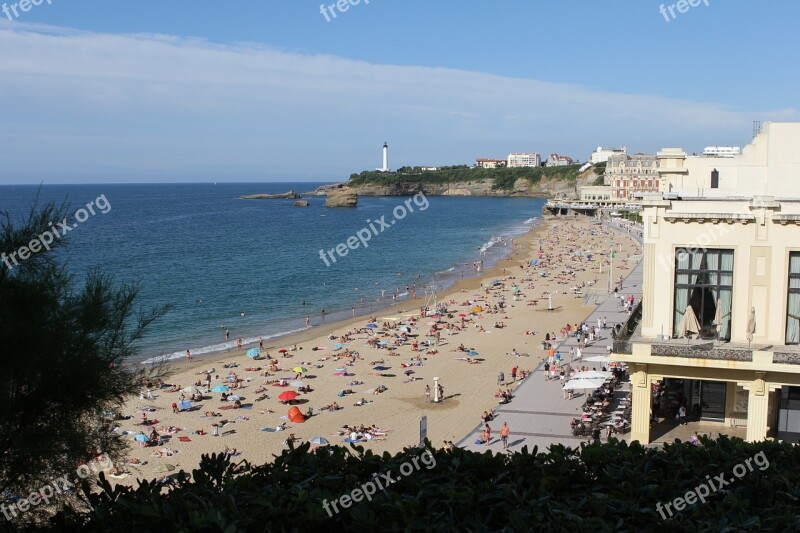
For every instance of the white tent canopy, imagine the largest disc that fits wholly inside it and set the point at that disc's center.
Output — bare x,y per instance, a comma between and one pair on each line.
577,384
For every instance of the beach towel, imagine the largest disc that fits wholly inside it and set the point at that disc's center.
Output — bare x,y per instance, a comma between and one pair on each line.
184,439
351,441
226,407
269,430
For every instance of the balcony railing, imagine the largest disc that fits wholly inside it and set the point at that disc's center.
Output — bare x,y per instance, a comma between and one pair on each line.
622,336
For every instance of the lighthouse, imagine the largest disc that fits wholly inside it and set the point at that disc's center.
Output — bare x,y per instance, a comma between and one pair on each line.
385,158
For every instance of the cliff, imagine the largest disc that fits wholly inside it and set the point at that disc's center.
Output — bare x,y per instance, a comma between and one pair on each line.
554,185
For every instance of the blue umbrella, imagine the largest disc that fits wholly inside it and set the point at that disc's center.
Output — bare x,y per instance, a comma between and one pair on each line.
337,346
220,388
383,343
253,352
141,437
184,405
379,367
472,352
372,326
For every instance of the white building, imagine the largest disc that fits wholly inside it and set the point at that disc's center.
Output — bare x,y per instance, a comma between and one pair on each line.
530,159
722,151
555,160
483,162
720,323
601,155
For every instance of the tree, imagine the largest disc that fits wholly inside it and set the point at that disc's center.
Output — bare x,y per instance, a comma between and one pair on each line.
64,348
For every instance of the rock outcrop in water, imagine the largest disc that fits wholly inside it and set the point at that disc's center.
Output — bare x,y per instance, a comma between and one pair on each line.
301,203
291,195
341,196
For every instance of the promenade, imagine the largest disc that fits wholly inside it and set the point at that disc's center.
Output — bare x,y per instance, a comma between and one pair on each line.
539,415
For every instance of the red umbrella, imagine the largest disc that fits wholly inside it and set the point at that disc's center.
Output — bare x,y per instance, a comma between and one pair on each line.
283,350
288,396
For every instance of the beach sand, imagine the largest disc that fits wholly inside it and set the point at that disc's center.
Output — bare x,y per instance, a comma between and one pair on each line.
469,388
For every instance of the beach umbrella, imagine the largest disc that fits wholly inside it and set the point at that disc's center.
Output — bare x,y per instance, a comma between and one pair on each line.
751,325
220,388
380,367
372,326
408,372
297,384
689,323
342,373
318,441
300,370
253,352
472,352
283,350
405,329
577,384
337,346
141,437
233,398
191,389
287,396
592,374
163,469
718,316
462,315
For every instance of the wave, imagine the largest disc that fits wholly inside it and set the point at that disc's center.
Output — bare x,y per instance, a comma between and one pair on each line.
218,347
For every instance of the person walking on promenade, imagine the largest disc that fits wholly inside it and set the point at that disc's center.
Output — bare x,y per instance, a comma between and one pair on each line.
546,371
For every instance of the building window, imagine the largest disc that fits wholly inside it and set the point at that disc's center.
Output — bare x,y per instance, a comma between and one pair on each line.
704,282
793,310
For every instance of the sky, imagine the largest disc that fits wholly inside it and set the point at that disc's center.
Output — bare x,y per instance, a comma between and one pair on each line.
113,91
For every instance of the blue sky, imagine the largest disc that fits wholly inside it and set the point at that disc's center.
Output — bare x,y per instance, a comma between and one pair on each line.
120,91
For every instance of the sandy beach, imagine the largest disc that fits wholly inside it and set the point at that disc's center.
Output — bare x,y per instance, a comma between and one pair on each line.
513,294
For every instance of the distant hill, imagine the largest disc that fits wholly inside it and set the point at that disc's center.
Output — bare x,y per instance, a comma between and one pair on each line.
465,181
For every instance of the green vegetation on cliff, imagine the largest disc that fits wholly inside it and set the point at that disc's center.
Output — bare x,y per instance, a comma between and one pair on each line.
504,178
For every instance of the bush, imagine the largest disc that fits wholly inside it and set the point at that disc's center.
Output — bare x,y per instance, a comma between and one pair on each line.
606,487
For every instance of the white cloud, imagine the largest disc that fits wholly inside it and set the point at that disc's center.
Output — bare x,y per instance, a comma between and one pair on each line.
99,106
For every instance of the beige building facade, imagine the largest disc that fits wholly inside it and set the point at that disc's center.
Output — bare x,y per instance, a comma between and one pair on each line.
720,317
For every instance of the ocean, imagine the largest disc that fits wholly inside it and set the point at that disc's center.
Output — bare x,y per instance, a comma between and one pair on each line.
259,267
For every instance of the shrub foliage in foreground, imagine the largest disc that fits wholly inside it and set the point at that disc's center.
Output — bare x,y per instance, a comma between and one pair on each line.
607,487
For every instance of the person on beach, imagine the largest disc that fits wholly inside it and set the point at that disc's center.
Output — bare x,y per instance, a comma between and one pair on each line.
188,356
427,394
487,434
504,432
501,378
514,375
227,335
260,343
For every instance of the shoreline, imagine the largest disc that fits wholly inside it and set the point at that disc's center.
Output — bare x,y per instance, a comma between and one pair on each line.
472,282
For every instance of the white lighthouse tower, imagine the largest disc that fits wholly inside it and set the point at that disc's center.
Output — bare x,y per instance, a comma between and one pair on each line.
385,167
